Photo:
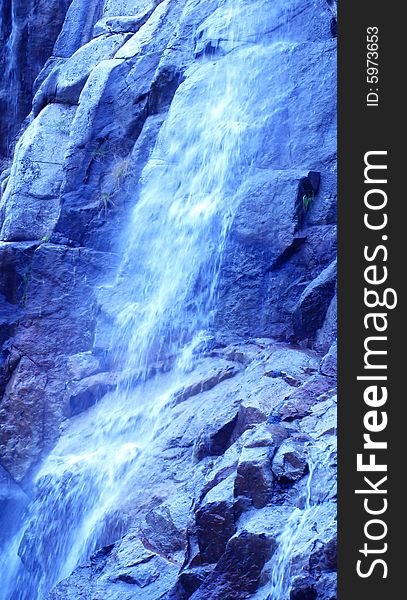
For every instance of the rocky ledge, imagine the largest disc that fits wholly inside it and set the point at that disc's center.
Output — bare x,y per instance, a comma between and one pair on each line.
229,465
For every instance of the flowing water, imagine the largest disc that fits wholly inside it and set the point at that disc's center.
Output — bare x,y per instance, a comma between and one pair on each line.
299,529
11,74
165,297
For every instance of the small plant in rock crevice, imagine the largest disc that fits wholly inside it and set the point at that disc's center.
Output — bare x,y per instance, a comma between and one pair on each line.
60,125
105,201
120,171
307,201
24,287
100,154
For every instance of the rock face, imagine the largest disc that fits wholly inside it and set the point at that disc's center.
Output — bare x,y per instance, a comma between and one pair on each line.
24,49
81,111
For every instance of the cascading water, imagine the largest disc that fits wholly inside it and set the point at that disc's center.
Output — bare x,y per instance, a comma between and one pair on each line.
166,296
11,74
300,524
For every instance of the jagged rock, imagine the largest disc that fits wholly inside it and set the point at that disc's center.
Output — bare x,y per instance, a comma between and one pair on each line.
267,268
322,419
329,362
290,461
237,573
164,528
327,334
65,84
51,327
86,392
303,589
256,407
259,217
9,356
323,211
206,384
233,353
217,438
4,177
222,473
254,478
264,434
215,525
101,168
299,403
287,362
139,578
190,580
133,569
269,520
15,259
113,8
251,411
61,321
324,557
326,586
313,304
122,24
77,27
22,439
287,378
149,37
163,88
83,365
317,535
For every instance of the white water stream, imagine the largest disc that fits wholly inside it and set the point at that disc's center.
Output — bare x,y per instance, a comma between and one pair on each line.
11,74
165,295
300,528
299,520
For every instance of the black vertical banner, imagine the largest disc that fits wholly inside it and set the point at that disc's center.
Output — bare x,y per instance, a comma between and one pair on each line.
372,272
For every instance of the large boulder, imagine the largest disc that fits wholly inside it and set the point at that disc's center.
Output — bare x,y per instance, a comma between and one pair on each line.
237,573
30,203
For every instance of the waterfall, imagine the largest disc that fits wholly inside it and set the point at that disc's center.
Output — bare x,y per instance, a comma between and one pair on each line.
11,74
301,522
165,294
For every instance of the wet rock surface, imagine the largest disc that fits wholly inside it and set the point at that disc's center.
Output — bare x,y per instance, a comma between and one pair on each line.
213,529
231,458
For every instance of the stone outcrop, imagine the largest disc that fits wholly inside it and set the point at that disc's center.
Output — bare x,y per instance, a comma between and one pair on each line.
81,110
